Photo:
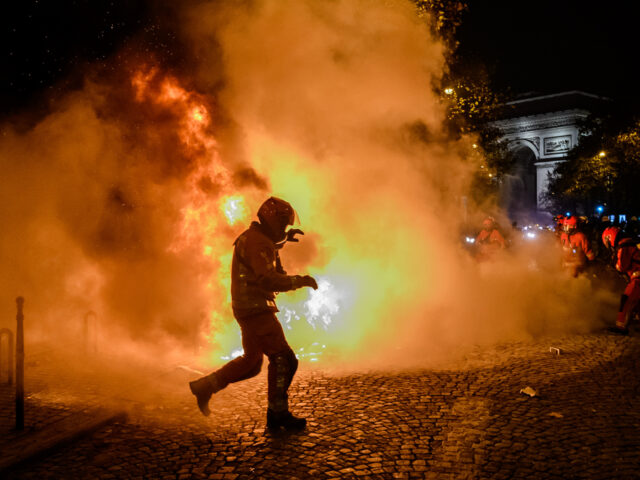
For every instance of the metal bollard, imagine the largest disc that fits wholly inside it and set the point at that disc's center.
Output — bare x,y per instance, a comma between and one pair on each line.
5,332
20,366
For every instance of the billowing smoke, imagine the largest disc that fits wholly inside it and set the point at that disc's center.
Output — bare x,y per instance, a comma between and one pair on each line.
94,202
335,102
127,198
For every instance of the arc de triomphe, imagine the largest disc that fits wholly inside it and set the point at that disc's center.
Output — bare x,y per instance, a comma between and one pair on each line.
540,131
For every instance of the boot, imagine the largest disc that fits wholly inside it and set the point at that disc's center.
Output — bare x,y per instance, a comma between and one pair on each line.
619,330
203,388
285,420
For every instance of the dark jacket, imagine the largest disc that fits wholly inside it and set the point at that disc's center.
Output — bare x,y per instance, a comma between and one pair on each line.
257,274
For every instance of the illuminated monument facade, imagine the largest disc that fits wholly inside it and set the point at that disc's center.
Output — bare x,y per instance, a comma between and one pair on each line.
540,131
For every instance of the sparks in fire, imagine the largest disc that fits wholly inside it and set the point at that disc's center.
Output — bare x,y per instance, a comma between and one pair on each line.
323,304
197,115
235,209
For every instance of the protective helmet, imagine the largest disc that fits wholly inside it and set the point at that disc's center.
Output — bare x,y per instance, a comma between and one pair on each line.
488,222
276,214
570,223
609,236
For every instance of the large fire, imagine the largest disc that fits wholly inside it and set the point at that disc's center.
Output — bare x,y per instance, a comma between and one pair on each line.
132,193
357,284
210,225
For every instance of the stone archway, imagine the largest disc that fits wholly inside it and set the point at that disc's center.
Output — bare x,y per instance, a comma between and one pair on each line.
540,131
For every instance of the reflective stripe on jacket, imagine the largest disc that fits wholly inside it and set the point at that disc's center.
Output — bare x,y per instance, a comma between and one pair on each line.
628,258
579,241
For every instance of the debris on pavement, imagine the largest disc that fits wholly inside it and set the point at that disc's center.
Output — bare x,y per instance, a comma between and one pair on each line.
555,350
529,391
556,415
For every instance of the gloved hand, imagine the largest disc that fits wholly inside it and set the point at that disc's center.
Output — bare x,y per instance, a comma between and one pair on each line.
307,281
291,234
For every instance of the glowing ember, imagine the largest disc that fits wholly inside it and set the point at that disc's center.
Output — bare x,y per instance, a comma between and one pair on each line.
198,115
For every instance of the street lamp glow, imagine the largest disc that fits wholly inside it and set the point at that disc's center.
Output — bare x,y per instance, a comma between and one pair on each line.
602,153
599,209
448,91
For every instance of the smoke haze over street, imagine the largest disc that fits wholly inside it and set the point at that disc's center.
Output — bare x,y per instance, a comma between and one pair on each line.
125,199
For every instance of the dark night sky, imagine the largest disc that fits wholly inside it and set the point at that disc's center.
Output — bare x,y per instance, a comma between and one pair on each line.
550,46
544,46
46,44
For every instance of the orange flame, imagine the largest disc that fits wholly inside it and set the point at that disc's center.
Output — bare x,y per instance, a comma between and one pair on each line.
315,320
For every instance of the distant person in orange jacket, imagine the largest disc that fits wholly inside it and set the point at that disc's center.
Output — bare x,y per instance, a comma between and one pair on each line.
489,241
627,261
558,220
256,276
576,248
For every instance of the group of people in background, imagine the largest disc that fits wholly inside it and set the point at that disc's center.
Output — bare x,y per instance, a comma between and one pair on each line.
612,245
596,246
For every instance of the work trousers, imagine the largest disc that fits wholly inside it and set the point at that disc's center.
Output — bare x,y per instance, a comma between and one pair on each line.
262,334
628,302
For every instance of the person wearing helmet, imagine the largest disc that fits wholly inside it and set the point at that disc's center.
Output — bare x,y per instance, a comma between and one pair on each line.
558,221
610,238
627,261
603,223
564,233
256,276
489,241
576,247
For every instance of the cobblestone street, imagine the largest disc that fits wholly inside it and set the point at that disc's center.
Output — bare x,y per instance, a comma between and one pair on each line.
471,421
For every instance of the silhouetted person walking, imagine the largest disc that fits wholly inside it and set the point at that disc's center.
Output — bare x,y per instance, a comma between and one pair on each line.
256,275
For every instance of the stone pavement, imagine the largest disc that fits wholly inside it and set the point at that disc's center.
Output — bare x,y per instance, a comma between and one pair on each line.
468,422
53,416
